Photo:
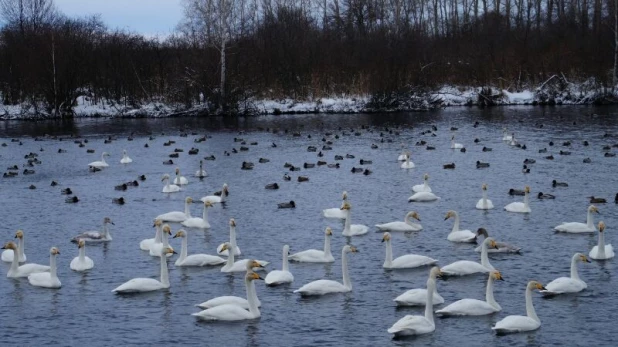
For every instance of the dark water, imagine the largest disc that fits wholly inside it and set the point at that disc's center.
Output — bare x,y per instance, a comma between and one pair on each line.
84,311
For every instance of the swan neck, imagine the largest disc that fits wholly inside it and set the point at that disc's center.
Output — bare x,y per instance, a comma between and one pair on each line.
526,200
346,226
485,257
574,273
82,254
20,246
223,194
52,266
327,252
484,198
158,238
187,209
431,289
589,220
529,307
233,238
489,293
183,249
456,224
165,240
230,256
164,275
344,268
15,263
601,245
284,265
251,298
388,261
205,214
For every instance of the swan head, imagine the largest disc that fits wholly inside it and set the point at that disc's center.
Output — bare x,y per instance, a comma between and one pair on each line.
232,222
167,229
165,177
81,243
177,171
527,190
593,208
496,275
251,263
10,245
124,151
346,206
189,200
108,220
105,154
450,214
350,249
601,227
582,258
180,233
344,196
435,272
484,186
414,215
536,285
19,234
157,223
482,231
386,237
207,203
286,249
251,276
426,177
224,190
328,231
55,250
490,242
167,250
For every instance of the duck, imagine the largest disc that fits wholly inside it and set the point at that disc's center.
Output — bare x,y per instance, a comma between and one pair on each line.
457,235
315,255
407,164
542,195
125,158
72,200
101,163
567,285
555,183
169,188
518,192
516,324
449,166
406,225
194,259
487,149
8,254
595,200
286,177
217,199
96,236
424,187
241,265
47,279
197,222
474,307
418,325
601,251
16,270
467,267
480,164
484,203
520,207
503,247
118,201
587,160
272,186
247,165
406,261
525,169
121,187
350,229
230,312
323,287
290,204
283,276
201,173
178,216
142,285
303,178
81,262
455,145
232,241
180,180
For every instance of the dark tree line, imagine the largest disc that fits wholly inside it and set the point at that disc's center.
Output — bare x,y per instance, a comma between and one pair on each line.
226,52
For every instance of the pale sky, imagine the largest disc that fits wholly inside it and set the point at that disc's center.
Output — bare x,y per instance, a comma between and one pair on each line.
147,17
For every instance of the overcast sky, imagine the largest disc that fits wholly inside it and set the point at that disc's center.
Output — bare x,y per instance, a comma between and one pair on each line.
148,17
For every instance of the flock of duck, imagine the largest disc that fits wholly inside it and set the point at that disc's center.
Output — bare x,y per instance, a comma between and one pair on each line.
232,308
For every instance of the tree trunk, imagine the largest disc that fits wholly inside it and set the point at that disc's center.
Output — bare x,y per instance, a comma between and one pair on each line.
222,82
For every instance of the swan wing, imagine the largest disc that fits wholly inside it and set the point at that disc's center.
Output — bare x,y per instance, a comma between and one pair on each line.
421,188
77,265
196,222
311,256
574,227
226,300
359,229
89,236
145,244
399,226
609,252
335,213
138,285
412,260
417,297
7,255
172,188
44,279
464,267
32,268
517,207
481,206
212,198
423,196
224,313
503,247
321,287
174,217
276,277
462,236
412,325
201,260
468,307
513,324
564,285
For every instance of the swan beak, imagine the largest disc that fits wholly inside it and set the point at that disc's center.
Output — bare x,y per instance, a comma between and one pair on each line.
586,260
543,288
383,240
417,218
174,252
112,223
501,278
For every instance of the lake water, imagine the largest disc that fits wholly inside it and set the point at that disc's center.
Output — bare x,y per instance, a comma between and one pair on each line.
84,311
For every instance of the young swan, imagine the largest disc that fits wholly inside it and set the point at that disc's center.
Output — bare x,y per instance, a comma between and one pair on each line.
81,262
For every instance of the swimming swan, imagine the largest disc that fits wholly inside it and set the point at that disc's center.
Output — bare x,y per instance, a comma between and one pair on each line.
405,261
474,307
484,203
169,188
406,225
100,164
194,259
564,285
96,236
350,229
404,153
601,250
177,216
7,255
408,164
315,255
422,187
157,248
125,158
16,271
180,180
467,267
197,222
455,145
322,287
336,212
241,265
215,199
457,235
140,285
47,279
520,207
283,276
417,325
232,241
529,322
577,227
230,312
81,262
146,244
233,300
423,197
201,173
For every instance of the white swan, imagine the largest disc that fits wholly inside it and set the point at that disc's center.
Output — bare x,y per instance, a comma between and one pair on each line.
232,241
140,285
194,259
474,307
503,247
422,187
336,212
233,300
457,235
350,229
177,216
505,135
47,279
101,163
408,164
417,325
529,322
455,145
417,297
25,270
156,248
404,153
241,265
467,267
406,225
512,142
214,199
197,222
125,158
81,262
230,312
321,287
283,276
405,261
601,250
146,244
201,173
96,236
180,180
577,227
169,188
315,255
7,255
423,197
484,203
520,207
564,285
